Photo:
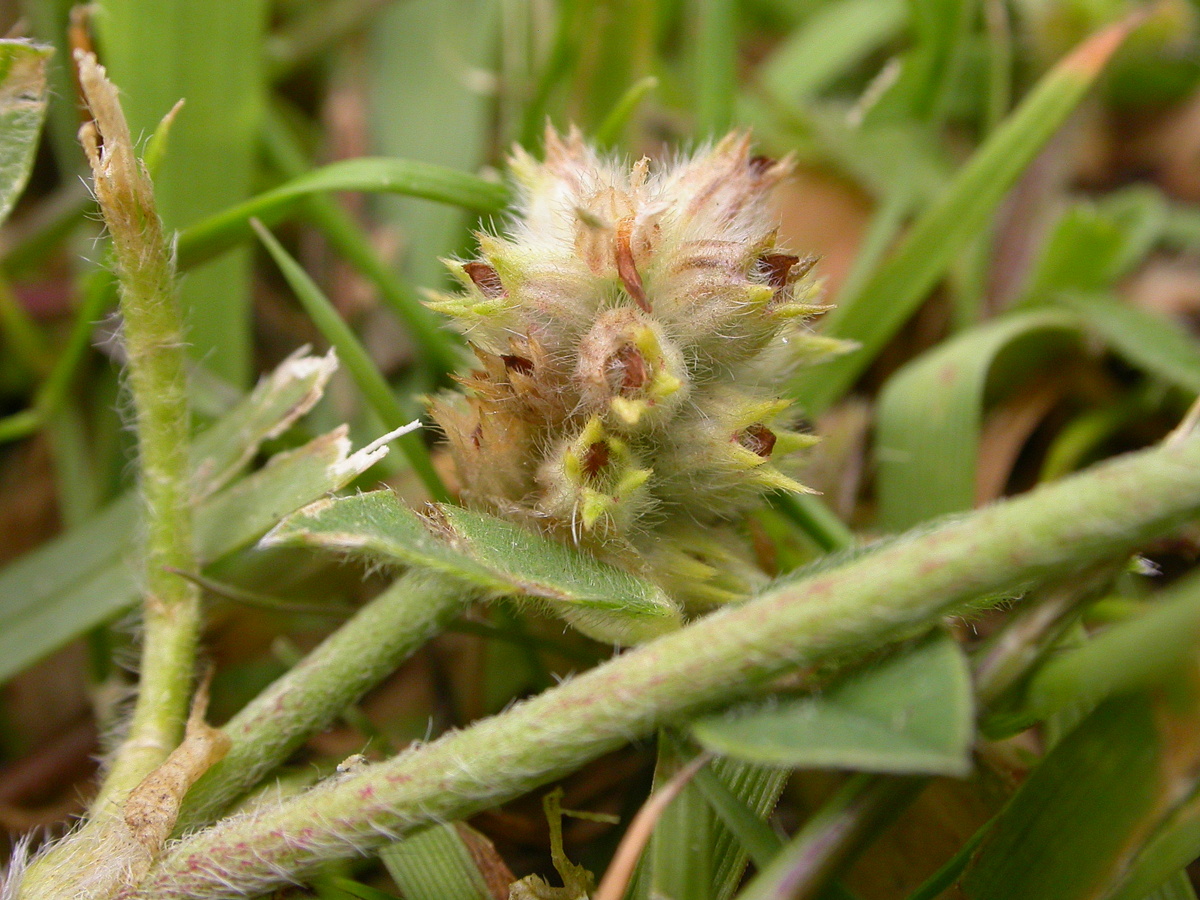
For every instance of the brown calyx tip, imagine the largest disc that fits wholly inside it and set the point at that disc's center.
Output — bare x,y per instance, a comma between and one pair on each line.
782,269
595,458
515,363
778,268
626,269
632,367
486,278
758,439
760,165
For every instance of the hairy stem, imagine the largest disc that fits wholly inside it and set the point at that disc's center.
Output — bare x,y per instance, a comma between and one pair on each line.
348,663
899,589
153,340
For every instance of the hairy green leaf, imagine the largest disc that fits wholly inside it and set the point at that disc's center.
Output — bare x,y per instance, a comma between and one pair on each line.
492,555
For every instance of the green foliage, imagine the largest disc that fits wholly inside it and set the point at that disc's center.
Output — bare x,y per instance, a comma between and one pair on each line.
491,555
22,110
908,714
1012,234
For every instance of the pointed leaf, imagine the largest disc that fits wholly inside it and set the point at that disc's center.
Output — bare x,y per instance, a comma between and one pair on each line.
911,713
495,556
1094,802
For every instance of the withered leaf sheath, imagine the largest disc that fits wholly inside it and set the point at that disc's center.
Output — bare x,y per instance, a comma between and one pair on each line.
632,329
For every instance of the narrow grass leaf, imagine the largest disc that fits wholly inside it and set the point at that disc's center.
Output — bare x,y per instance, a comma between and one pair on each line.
428,65
228,521
437,863
434,343
210,56
22,111
70,560
806,867
1173,847
928,70
1126,657
1093,802
223,230
836,37
610,130
911,713
931,411
715,65
1142,338
956,218
742,796
375,389
490,554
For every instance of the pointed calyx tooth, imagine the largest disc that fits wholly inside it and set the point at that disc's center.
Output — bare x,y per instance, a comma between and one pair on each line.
628,367
486,278
757,438
595,480
627,267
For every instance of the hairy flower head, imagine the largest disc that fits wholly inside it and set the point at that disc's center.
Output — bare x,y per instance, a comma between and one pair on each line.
633,326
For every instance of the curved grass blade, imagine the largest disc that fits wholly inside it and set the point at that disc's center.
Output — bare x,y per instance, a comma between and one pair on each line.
939,235
1095,801
1149,342
834,38
22,110
931,411
210,237
433,343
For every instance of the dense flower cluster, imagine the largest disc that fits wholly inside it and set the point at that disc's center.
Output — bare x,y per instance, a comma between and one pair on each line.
633,328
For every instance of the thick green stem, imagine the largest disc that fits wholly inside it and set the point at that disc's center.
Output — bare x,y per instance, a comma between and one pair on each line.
348,663
901,588
100,857
153,340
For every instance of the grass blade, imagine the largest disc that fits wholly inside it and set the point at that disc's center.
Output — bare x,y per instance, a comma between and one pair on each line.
218,233
226,522
715,64
931,411
437,863
834,38
898,287
210,55
1149,342
375,389
433,343
429,103
1093,802
22,111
